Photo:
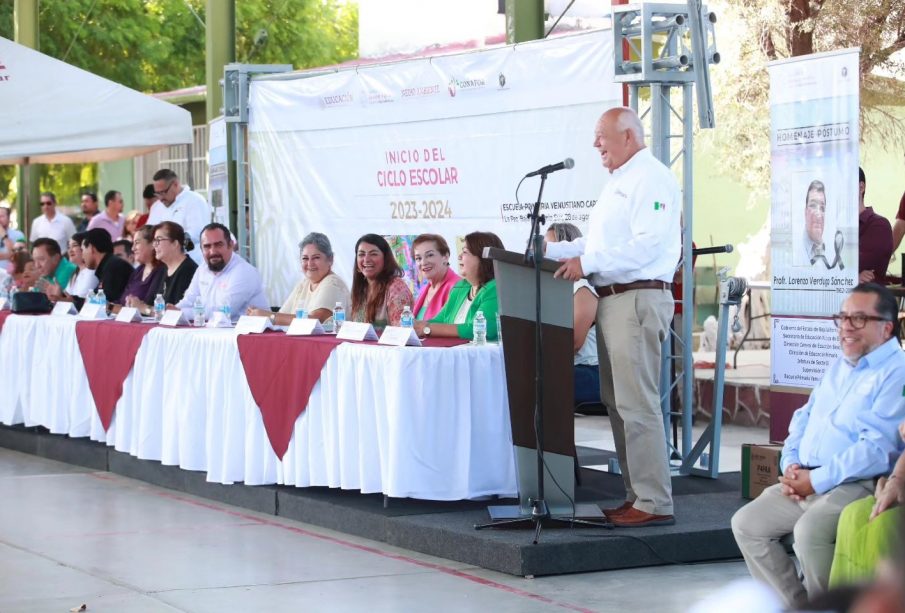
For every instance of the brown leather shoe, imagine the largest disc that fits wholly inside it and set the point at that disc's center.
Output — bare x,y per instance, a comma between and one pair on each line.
611,513
633,518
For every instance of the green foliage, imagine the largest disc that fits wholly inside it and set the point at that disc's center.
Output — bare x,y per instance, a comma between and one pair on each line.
159,45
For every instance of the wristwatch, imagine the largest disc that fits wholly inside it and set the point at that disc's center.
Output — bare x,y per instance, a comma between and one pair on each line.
426,330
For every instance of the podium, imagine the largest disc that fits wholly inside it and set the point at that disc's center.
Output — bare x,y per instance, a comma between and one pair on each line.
516,293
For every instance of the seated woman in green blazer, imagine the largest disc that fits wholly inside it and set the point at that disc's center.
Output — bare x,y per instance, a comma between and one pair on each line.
475,292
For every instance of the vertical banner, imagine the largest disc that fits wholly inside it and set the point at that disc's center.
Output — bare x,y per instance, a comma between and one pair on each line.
814,110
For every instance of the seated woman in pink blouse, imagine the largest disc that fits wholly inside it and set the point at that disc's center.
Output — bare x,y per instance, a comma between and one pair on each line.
379,294
432,259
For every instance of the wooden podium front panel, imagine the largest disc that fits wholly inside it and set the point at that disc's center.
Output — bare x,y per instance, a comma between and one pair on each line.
518,350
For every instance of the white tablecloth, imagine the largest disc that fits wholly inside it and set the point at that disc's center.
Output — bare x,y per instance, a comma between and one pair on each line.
425,423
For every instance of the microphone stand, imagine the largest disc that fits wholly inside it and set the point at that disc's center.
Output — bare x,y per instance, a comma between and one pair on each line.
534,254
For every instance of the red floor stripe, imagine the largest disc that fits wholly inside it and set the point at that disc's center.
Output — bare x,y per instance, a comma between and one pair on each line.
394,556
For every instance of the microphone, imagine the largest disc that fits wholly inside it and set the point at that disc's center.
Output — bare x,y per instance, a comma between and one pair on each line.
565,164
709,250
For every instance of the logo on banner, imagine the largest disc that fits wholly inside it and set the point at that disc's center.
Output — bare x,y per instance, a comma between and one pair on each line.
659,206
463,85
379,97
343,99
420,91
502,81
3,77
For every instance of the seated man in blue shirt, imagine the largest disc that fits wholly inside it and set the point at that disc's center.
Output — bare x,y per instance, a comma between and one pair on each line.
843,437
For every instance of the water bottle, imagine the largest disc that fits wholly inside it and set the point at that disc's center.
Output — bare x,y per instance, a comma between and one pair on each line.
407,320
91,297
160,306
339,317
301,313
101,297
226,310
479,329
499,329
198,309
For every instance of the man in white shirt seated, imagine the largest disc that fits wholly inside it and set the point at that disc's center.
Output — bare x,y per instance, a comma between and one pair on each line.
52,224
844,436
178,203
224,278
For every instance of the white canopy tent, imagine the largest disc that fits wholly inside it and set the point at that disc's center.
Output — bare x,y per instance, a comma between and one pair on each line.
52,113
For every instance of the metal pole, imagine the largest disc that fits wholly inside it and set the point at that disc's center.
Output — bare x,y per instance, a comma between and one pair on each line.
26,30
524,20
687,269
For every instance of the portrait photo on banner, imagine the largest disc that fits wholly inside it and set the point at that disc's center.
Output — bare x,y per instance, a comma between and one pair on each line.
819,212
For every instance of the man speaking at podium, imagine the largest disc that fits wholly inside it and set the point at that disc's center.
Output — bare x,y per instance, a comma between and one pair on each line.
630,254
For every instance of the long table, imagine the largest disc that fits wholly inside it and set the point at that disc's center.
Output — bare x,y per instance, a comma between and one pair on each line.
429,423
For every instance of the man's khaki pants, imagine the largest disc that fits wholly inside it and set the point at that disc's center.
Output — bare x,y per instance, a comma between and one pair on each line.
631,327
759,526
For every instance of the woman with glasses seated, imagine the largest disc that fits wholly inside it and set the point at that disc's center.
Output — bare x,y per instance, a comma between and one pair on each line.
170,244
379,295
145,278
320,289
475,292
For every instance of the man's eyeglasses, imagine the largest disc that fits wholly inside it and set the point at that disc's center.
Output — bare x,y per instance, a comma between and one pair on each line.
46,203
857,321
159,239
163,191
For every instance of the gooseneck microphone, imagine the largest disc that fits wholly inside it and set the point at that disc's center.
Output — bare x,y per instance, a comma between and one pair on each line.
564,165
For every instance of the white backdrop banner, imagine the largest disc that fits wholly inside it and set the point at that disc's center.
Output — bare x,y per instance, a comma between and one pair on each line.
428,145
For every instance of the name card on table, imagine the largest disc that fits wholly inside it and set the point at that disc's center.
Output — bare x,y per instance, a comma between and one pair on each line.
219,319
93,311
356,331
398,336
172,318
128,315
305,327
64,308
253,324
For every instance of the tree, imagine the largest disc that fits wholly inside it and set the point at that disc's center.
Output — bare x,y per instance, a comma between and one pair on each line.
158,45
760,31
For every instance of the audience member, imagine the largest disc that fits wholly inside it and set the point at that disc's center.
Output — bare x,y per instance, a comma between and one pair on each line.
178,203
113,274
584,308
89,210
131,224
841,439
874,239
53,269
898,227
432,259
111,219
25,273
866,532
82,280
123,249
379,295
169,247
8,238
51,224
475,292
149,198
224,278
320,289
147,275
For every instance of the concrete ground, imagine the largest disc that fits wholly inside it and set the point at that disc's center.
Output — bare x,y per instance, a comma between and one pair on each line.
71,536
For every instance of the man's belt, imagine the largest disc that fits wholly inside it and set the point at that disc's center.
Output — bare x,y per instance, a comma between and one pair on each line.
618,288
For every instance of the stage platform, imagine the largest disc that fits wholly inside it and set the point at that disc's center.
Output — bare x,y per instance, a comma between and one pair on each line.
446,529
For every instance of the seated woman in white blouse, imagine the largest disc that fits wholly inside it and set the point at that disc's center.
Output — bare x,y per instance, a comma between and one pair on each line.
319,291
587,373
